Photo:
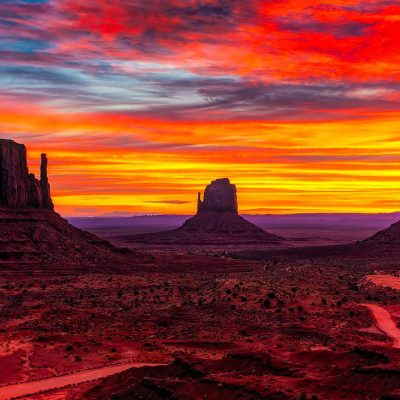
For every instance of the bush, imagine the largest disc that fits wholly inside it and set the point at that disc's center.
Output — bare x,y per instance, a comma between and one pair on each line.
267,303
69,348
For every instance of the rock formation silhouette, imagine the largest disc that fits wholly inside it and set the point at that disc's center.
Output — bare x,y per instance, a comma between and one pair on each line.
30,230
217,222
18,187
219,196
44,184
390,235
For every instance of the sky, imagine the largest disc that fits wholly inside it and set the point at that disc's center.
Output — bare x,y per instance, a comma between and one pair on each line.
139,104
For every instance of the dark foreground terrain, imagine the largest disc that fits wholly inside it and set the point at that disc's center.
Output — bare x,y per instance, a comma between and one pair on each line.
296,324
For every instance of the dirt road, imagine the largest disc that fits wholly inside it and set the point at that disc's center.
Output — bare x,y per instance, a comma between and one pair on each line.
29,388
385,323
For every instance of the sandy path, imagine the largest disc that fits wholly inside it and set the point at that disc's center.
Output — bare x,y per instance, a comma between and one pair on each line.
385,323
385,280
28,388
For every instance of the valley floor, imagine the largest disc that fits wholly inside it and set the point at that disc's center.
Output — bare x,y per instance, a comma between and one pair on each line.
271,327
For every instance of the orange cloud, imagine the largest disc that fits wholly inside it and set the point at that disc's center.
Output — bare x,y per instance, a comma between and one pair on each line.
140,103
309,166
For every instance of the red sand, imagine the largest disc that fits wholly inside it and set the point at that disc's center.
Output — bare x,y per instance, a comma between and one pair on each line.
385,280
276,326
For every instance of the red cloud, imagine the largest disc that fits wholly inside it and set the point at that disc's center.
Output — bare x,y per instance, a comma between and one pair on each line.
272,40
333,40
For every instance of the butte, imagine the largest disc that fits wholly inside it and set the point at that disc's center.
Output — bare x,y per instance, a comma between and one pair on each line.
217,222
32,233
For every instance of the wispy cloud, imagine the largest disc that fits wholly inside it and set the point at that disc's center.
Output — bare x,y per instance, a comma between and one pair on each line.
140,103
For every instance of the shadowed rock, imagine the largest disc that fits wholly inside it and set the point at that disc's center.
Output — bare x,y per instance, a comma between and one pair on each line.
389,235
44,184
19,188
217,222
219,196
30,231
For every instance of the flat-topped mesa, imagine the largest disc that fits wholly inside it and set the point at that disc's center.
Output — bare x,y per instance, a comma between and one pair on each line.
219,196
18,187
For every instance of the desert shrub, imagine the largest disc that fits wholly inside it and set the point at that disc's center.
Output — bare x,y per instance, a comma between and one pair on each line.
267,303
69,348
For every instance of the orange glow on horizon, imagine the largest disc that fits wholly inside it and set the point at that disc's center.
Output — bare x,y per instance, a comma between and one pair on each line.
140,104
338,166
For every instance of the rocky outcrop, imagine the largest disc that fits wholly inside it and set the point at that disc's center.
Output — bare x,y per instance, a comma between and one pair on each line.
388,235
219,196
32,233
19,188
217,222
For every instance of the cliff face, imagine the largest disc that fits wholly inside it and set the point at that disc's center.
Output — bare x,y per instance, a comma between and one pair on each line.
219,196
19,188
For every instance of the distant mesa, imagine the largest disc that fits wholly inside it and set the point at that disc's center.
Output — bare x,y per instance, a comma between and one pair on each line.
217,222
31,232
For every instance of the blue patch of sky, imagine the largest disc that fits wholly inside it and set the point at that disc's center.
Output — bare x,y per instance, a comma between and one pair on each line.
140,87
22,2
23,45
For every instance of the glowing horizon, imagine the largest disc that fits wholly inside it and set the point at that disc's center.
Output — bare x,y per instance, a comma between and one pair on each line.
139,106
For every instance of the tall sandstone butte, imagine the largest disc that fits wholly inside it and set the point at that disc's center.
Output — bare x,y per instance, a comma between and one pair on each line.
33,234
217,222
219,196
18,187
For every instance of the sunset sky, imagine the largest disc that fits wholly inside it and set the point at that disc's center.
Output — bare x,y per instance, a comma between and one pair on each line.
140,103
